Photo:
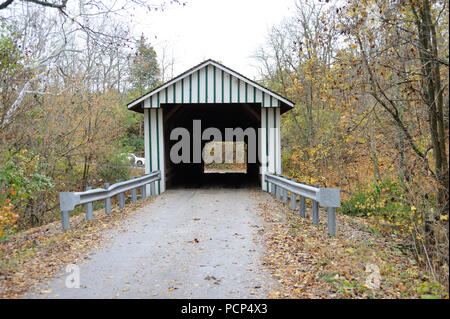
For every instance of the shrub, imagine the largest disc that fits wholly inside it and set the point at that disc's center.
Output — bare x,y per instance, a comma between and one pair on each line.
116,167
22,183
383,200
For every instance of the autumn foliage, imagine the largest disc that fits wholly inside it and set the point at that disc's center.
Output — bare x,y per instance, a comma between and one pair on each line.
370,80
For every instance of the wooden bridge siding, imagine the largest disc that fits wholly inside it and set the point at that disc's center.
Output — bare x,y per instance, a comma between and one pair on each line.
211,84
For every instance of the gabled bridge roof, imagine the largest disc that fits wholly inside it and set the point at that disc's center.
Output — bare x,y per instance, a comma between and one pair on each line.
210,82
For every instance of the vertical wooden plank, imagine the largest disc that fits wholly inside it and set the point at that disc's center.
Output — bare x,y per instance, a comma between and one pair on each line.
162,99
246,92
278,146
169,94
226,88
158,143
182,91
179,91
194,87
174,92
267,145
146,140
230,83
275,139
211,90
271,139
161,151
153,141
258,96
199,94
222,86
206,84
186,90
266,99
242,96
238,93
215,84
263,146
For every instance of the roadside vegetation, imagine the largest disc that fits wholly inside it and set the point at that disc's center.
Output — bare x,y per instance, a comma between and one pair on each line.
63,121
370,82
359,262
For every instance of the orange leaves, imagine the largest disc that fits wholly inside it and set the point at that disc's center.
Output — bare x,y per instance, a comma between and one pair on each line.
309,264
7,217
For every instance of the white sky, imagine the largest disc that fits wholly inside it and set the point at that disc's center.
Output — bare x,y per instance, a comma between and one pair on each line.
228,31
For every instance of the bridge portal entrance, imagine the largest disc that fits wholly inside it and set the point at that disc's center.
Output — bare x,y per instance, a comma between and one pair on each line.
211,103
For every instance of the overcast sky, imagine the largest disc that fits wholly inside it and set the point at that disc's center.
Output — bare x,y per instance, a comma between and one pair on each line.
228,31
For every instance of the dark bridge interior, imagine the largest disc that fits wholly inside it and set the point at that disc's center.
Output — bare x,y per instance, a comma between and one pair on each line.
220,116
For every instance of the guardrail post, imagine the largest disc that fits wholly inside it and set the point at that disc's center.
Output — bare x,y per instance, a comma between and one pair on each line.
315,212
315,209
272,188
285,200
133,194
107,202
143,192
65,219
89,207
121,197
121,200
331,221
153,189
293,197
302,206
278,192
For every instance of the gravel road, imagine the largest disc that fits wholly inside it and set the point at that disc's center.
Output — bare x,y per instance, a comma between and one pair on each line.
187,243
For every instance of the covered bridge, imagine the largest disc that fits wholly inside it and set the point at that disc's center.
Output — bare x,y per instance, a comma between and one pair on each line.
220,98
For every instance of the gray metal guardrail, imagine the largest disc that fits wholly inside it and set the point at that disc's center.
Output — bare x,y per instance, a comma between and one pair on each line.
325,197
69,200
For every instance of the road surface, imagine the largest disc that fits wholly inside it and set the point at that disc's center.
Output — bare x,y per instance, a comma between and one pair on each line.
187,243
